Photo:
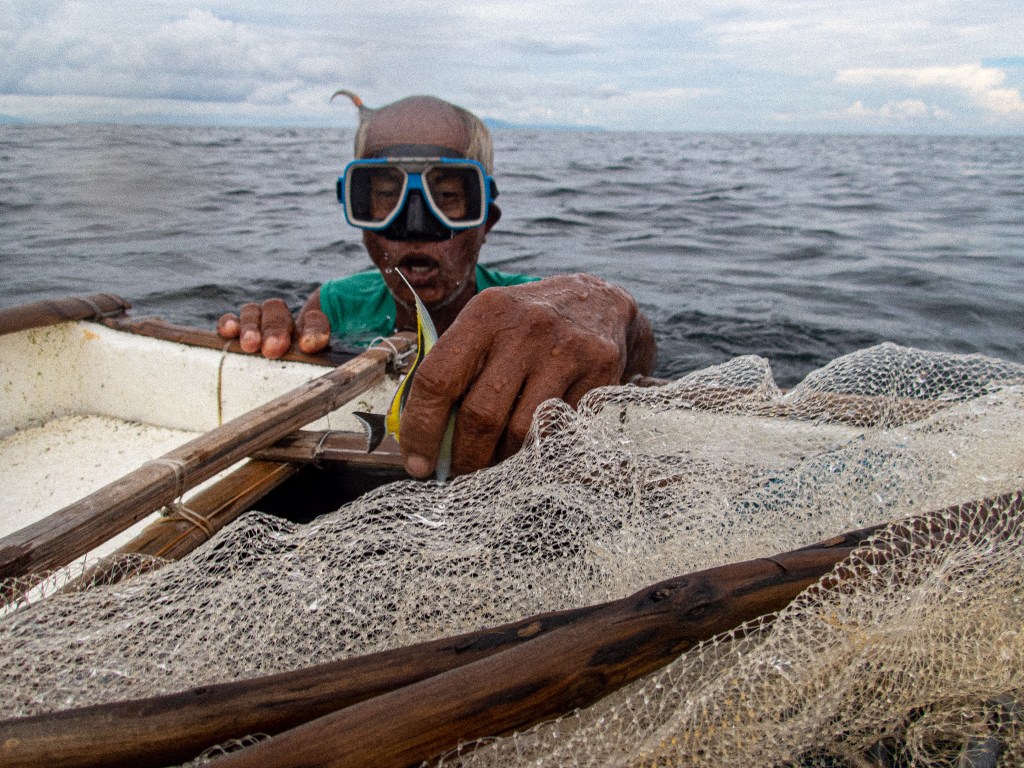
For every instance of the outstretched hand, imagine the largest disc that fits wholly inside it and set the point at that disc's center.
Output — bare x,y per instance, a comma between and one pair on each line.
509,350
269,329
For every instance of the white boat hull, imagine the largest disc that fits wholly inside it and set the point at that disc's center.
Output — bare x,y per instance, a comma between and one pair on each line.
82,404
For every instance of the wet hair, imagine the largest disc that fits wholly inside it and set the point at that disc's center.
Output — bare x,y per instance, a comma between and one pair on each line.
480,146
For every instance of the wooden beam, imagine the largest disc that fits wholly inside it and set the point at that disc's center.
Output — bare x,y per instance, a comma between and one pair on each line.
577,665
171,729
156,328
552,674
347,449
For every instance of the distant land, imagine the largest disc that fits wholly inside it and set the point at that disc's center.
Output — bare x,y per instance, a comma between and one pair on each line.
491,122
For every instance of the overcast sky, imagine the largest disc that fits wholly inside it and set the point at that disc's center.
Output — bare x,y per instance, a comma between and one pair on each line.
761,65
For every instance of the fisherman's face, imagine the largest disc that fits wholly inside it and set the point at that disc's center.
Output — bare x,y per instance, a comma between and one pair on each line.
442,272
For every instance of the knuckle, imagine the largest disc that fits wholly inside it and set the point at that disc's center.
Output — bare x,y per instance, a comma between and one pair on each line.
608,354
428,382
249,313
319,321
477,418
518,428
489,300
609,373
540,321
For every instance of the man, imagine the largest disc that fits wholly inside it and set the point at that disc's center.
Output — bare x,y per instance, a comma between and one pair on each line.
502,351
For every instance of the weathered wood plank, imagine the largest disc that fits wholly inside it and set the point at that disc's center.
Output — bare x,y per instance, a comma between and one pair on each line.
348,449
577,665
156,328
550,675
170,729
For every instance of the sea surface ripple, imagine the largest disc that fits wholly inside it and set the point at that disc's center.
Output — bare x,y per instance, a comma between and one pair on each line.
797,248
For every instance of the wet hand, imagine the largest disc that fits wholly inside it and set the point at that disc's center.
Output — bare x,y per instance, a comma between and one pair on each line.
508,351
269,329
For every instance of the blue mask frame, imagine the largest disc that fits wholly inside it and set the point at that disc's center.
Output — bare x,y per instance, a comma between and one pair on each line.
414,190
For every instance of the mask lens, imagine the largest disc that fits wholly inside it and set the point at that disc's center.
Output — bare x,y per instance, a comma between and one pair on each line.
374,194
456,194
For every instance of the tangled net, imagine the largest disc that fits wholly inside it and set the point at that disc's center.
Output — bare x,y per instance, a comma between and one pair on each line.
914,661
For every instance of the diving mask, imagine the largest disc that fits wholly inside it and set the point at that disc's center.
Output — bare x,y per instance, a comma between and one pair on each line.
416,198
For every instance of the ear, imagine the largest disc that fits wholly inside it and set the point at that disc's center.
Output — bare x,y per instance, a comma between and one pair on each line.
493,216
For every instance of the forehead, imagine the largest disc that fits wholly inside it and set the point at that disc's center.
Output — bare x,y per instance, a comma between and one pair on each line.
415,123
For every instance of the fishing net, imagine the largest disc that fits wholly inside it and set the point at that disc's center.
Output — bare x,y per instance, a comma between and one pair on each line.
916,660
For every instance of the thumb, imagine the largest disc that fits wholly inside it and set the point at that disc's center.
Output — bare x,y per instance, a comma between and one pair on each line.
314,331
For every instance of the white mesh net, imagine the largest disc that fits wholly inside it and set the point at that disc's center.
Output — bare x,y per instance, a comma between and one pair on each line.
914,662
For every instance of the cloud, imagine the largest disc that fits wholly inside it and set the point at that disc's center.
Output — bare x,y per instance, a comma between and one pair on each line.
652,64
906,110
195,56
983,86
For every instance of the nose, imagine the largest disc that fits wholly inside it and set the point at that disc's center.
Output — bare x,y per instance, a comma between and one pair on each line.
417,217
417,222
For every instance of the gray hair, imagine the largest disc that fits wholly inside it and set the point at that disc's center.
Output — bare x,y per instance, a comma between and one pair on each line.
480,146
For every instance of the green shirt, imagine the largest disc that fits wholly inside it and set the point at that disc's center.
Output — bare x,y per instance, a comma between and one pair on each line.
360,307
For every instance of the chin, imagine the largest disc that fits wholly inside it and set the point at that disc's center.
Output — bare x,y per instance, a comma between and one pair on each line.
432,297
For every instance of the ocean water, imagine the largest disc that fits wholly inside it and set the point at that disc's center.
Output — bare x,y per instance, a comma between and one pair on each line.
795,248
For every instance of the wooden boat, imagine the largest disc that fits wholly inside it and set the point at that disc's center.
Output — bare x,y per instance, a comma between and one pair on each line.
393,707
90,398
135,422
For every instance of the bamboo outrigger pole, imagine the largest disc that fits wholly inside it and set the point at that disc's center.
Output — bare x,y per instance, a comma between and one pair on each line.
175,535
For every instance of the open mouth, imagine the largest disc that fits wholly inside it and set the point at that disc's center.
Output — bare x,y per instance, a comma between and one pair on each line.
418,270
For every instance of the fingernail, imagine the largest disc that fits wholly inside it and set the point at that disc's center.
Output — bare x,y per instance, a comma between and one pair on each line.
313,342
274,348
417,466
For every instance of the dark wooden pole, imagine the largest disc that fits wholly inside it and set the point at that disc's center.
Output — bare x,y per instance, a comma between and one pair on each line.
575,666
554,673
622,639
166,730
398,707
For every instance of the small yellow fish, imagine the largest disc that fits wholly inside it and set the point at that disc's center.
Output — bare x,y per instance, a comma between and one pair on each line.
378,425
